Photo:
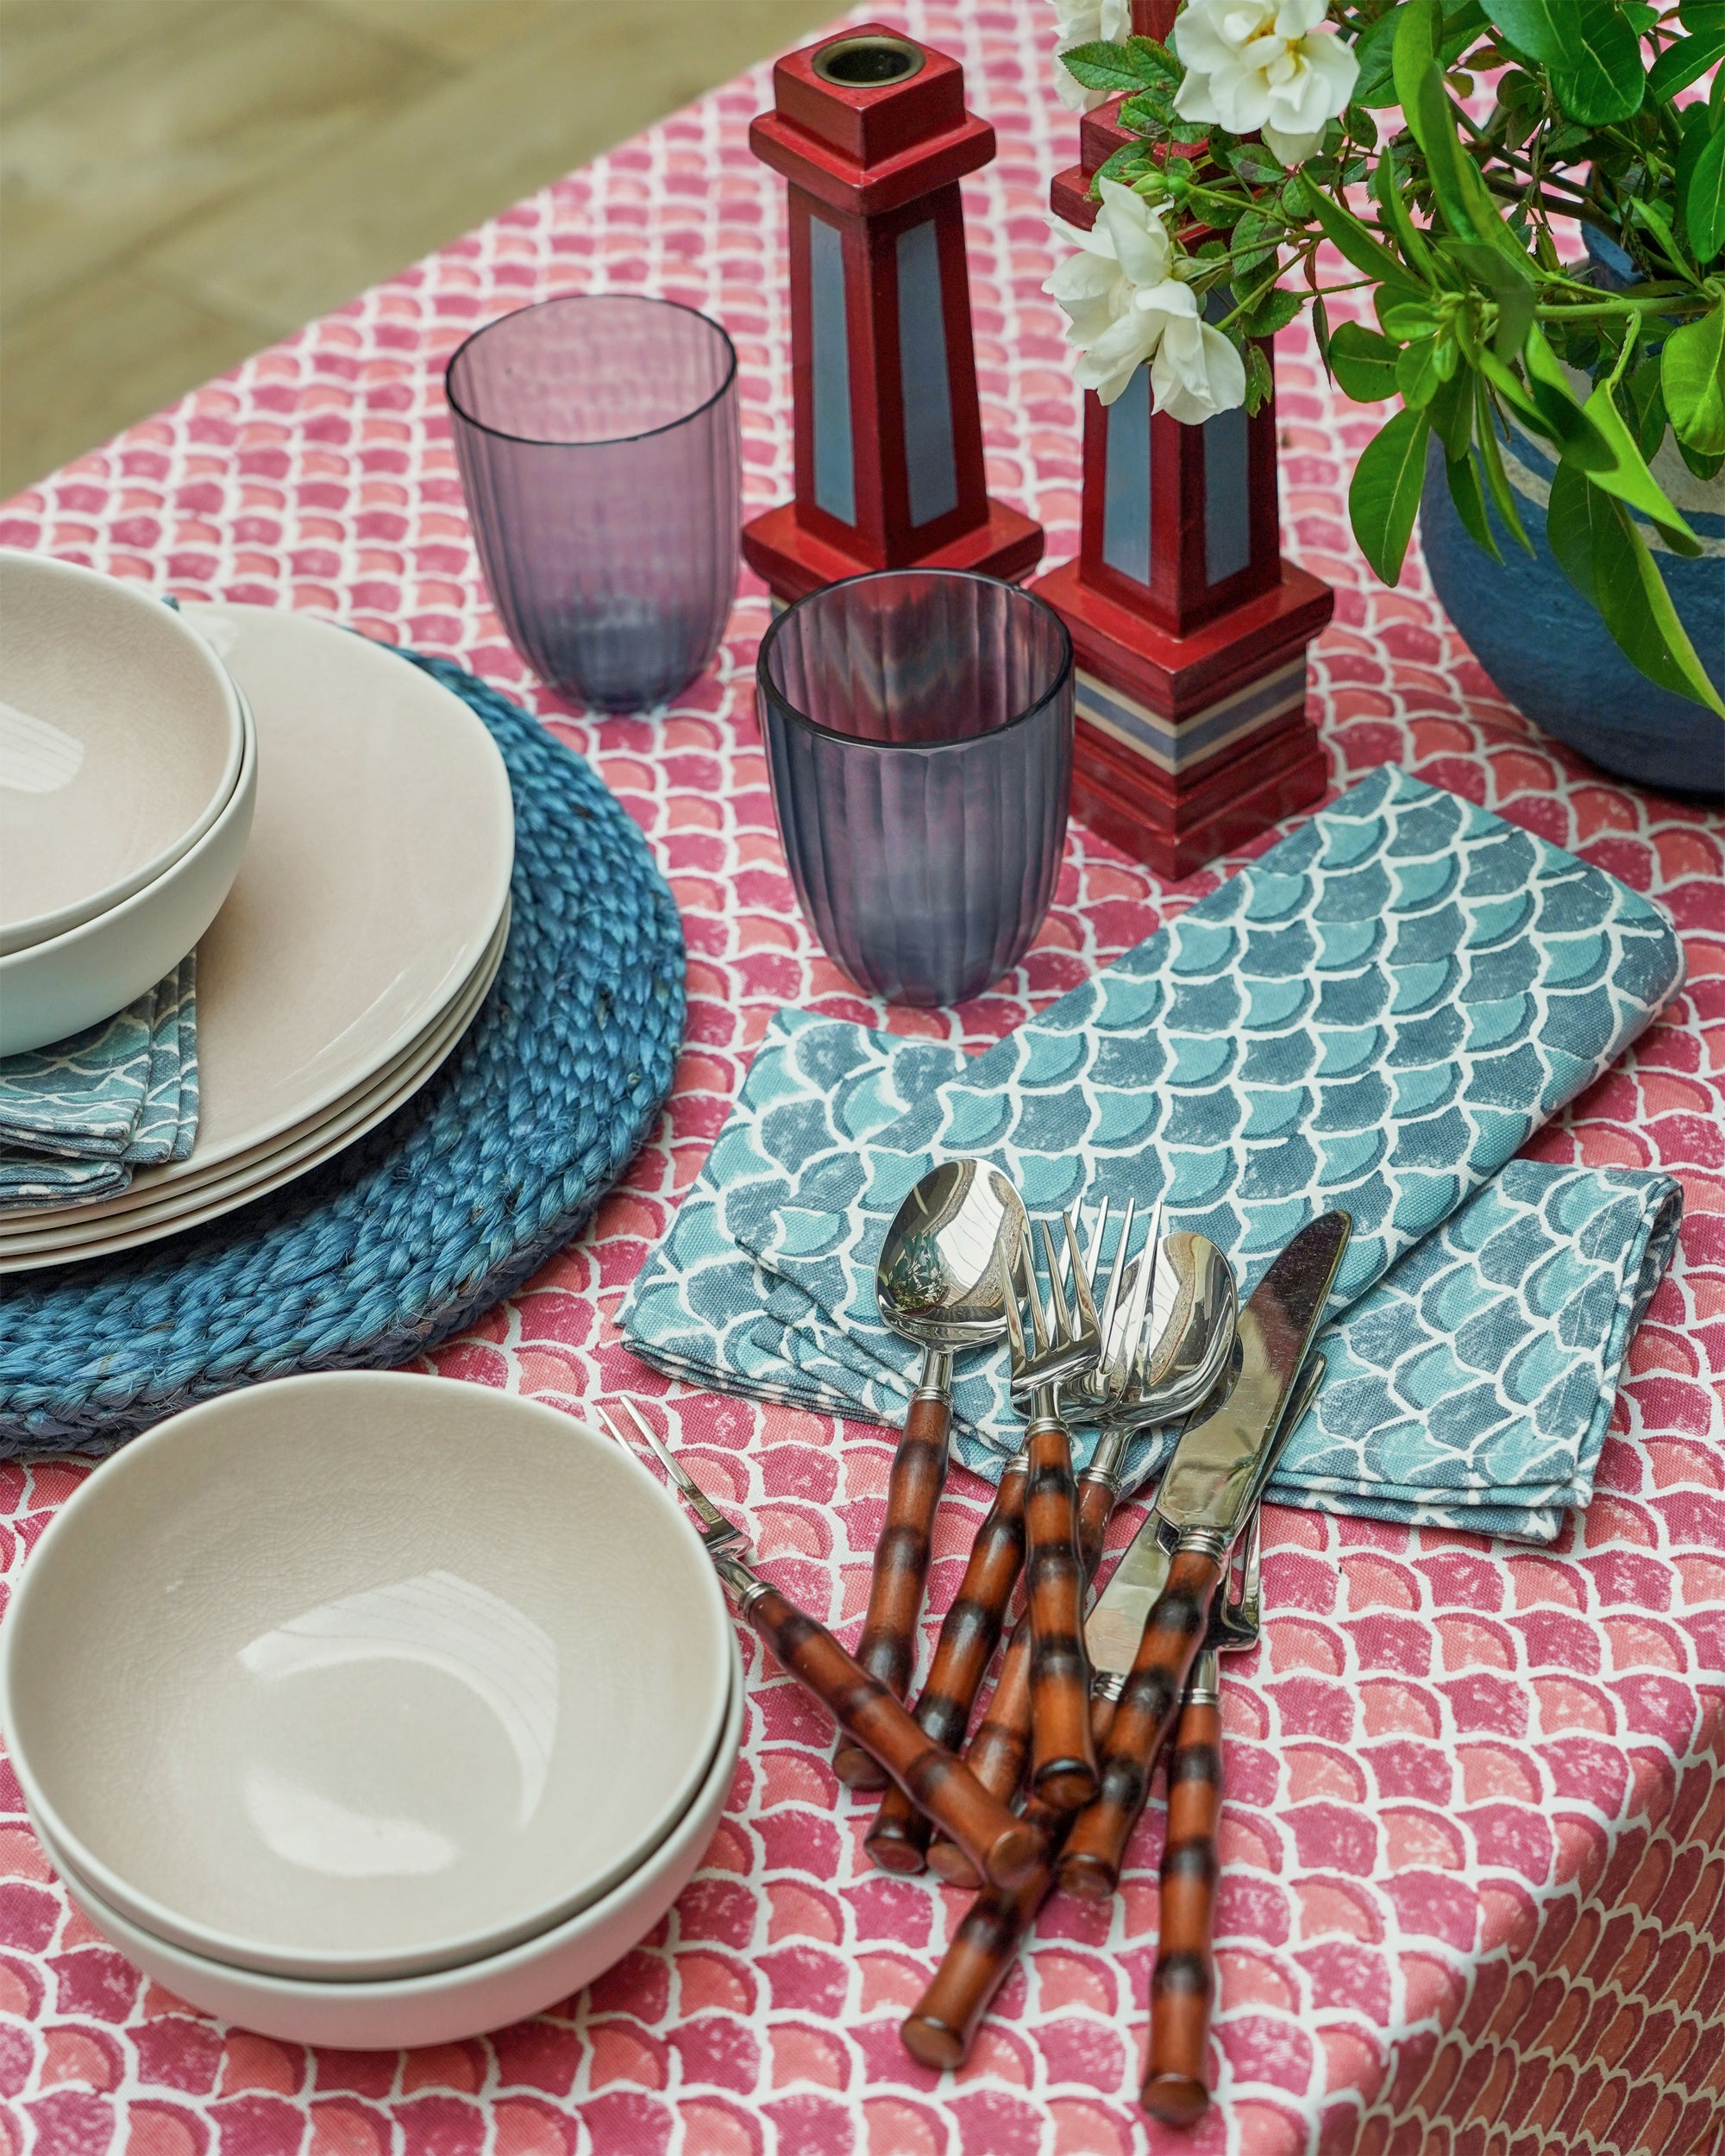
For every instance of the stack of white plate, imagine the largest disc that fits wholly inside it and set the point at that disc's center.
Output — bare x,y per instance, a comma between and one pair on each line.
365,925
371,1710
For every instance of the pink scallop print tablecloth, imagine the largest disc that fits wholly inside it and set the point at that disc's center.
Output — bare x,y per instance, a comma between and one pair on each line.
1474,1898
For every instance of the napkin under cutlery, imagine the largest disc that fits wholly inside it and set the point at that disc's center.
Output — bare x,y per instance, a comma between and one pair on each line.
76,1118
1376,1014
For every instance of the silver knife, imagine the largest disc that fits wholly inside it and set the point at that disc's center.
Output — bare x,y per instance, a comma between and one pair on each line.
1149,1625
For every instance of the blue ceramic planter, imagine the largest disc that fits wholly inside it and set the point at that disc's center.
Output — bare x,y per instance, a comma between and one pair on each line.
1548,651
1547,648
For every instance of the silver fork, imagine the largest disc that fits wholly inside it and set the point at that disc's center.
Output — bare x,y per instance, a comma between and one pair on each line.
1002,1845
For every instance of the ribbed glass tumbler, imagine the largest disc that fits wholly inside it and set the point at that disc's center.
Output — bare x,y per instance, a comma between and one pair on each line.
919,732
601,461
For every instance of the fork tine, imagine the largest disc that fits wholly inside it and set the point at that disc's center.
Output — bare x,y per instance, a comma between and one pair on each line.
1087,1307
1060,1319
1132,1338
1149,1260
1041,1328
1016,1343
1105,1323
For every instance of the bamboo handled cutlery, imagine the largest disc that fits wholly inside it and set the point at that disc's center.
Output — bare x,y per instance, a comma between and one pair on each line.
1091,1687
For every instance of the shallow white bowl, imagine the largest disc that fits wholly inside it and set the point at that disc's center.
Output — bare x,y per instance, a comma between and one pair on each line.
120,740
454,2003
363,1675
51,990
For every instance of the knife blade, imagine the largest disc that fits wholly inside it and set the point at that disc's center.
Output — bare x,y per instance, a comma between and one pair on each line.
1217,1474
1115,1625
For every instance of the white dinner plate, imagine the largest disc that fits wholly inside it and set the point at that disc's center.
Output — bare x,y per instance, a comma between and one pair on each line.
373,881
113,1226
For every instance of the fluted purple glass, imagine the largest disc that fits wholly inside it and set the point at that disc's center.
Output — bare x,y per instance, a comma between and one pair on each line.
919,732
600,457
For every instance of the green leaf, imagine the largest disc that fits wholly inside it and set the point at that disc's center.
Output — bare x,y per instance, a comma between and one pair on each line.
1153,61
1692,375
1573,513
1273,312
1386,189
1463,196
1690,57
1355,244
1704,199
1254,244
1507,282
1255,166
1627,475
1384,498
1704,467
1416,371
1452,406
1631,595
1413,57
1363,362
1491,456
1102,65
1320,332
1375,49
1463,474
1410,319
1260,382
1590,54
1126,163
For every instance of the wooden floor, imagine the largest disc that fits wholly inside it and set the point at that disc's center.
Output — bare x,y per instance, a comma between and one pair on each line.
183,181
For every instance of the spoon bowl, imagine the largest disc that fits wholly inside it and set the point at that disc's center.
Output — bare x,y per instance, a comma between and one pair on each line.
942,1280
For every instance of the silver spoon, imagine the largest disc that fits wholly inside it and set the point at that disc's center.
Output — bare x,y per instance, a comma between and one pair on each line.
941,1281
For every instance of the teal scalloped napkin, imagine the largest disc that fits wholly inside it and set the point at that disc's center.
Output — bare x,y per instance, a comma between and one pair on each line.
78,1118
1375,1013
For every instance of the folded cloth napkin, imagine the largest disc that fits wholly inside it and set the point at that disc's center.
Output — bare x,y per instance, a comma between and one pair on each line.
78,1117
1375,1013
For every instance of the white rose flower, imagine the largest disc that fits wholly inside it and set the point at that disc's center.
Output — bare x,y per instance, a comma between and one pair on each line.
1086,22
1125,305
1196,373
1264,64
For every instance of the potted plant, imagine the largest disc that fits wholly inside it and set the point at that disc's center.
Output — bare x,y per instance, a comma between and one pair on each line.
1564,418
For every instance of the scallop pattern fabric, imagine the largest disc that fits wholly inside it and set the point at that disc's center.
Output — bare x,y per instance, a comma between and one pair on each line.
1474,1845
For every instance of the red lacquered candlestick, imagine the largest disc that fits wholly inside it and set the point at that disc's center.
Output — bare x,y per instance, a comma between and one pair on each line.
1189,628
869,129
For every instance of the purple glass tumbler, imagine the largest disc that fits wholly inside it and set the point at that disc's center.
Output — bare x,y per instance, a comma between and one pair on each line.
919,732
601,460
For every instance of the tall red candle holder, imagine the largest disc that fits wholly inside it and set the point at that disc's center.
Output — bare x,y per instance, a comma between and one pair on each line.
1189,628
870,130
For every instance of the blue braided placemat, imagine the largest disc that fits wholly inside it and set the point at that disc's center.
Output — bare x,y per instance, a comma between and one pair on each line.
443,1209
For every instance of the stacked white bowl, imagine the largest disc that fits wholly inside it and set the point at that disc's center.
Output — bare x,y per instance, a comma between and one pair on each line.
128,775
371,1710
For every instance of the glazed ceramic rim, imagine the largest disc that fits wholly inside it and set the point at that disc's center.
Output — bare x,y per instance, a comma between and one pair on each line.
596,442
34,930
69,947
800,720
232,1950
382,1991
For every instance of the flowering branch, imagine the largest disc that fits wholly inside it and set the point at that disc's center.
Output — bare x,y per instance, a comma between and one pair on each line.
1253,133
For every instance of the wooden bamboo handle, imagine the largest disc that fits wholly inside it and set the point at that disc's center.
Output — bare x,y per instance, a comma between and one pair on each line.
998,1750
1183,1983
1003,1847
1173,1632
900,1836
939,2030
1063,1768
888,1647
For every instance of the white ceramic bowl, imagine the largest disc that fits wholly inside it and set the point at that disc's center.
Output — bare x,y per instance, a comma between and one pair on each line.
363,1675
120,739
52,989
454,2003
